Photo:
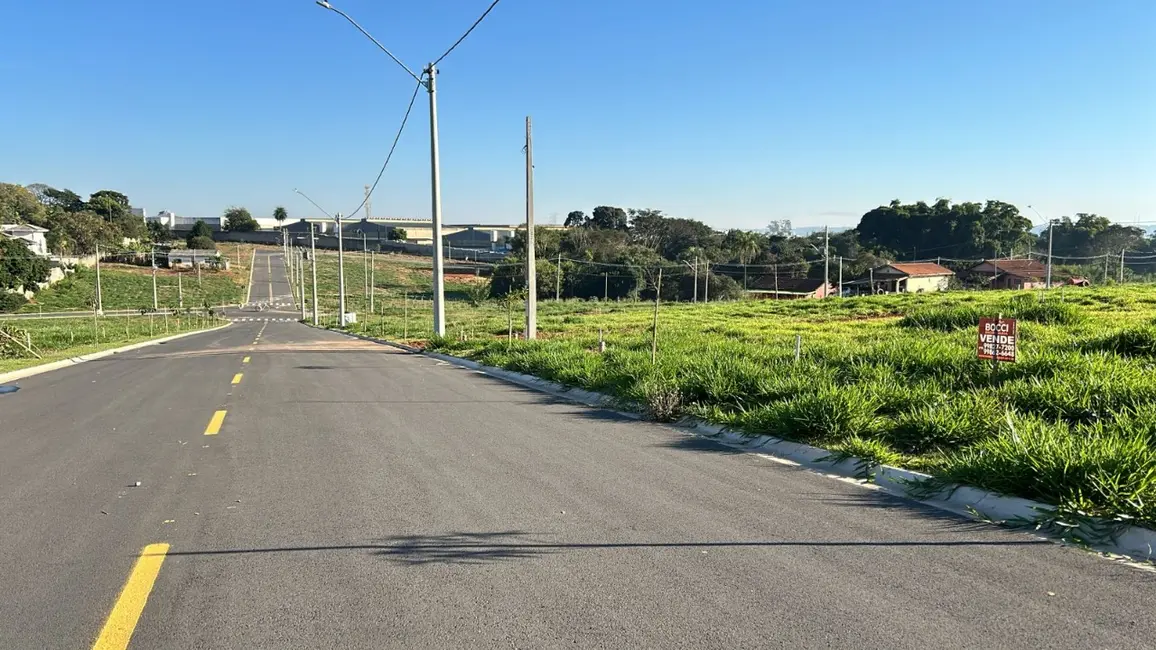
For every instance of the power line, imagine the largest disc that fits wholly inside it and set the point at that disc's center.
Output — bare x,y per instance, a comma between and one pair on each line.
397,137
463,37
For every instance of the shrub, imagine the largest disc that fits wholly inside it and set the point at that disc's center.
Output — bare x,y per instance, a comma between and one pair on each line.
831,412
10,302
944,319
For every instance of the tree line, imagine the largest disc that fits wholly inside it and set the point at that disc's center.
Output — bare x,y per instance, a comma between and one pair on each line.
617,253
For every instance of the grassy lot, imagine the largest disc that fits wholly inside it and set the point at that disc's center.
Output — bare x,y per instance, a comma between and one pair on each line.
62,338
130,287
893,379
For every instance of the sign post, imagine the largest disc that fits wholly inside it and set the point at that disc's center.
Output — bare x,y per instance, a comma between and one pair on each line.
997,340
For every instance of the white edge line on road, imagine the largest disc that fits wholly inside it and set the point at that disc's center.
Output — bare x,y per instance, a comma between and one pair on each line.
973,503
64,363
252,265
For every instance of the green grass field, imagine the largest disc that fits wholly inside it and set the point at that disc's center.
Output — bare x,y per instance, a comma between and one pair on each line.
893,379
130,287
62,338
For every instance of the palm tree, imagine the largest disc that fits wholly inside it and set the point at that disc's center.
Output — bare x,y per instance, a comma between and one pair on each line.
280,215
746,247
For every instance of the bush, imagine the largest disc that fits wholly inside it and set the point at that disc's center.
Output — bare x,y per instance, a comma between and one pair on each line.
10,302
944,319
202,243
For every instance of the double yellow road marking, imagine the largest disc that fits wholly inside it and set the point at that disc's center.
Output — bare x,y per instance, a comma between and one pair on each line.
122,620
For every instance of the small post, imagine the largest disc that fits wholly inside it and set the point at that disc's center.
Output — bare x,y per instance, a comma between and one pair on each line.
654,331
601,341
798,347
605,287
180,292
509,321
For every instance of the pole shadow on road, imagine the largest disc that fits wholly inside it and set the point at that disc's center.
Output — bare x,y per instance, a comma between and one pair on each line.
486,547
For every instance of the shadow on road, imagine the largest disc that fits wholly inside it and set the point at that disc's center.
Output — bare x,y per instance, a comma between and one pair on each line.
477,548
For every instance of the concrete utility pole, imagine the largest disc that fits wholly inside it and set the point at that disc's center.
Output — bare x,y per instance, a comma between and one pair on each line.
1051,227
1122,251
531,262
706,284
154,264
99,293
695,299
372,283
313,257
365,265
340,270
439,280
558,280
301,281
840,276
429,80
180,292
826,260
368,204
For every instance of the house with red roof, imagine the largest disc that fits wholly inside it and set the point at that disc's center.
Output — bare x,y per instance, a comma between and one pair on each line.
1012,274
907,277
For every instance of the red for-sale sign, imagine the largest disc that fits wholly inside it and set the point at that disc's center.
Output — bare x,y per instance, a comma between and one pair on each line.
997,339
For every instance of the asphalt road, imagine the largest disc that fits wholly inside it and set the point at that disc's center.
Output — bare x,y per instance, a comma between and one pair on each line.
360,497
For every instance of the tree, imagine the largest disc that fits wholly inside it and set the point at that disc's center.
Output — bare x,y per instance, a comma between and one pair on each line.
780,228
19,267
576,219
160,232
200,242
66,200
743,244
18,205
608,218
280,214
200,232
109,204
239,220
398,234
78,233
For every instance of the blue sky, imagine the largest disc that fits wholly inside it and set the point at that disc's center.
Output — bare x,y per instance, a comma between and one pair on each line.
734,112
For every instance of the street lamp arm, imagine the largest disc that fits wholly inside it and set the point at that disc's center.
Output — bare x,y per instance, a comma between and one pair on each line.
326,5
313,202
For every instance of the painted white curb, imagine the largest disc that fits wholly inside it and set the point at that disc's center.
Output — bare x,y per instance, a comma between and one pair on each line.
975,503
64,363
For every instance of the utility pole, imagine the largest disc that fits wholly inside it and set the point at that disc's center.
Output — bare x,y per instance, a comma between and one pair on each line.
368,204
365,265
706,283
840,276
340,270
695,298
826,260
1051,228
531,270
372,283
439,281
301,282
154,264
313,256
180,292
1122,251
558,280
99,293
605,287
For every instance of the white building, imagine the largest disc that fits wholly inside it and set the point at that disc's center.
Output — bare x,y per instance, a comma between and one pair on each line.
34,237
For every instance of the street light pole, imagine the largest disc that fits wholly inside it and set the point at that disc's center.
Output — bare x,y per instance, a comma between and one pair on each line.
99,293
826,260
1051,228
154,264
340,271
313,265
531,252
439,281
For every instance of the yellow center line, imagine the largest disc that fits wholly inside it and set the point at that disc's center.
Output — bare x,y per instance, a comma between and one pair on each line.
237,378
215,424
122,620
245,360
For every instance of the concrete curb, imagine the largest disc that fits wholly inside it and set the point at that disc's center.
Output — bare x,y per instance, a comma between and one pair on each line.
65,363
975,503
